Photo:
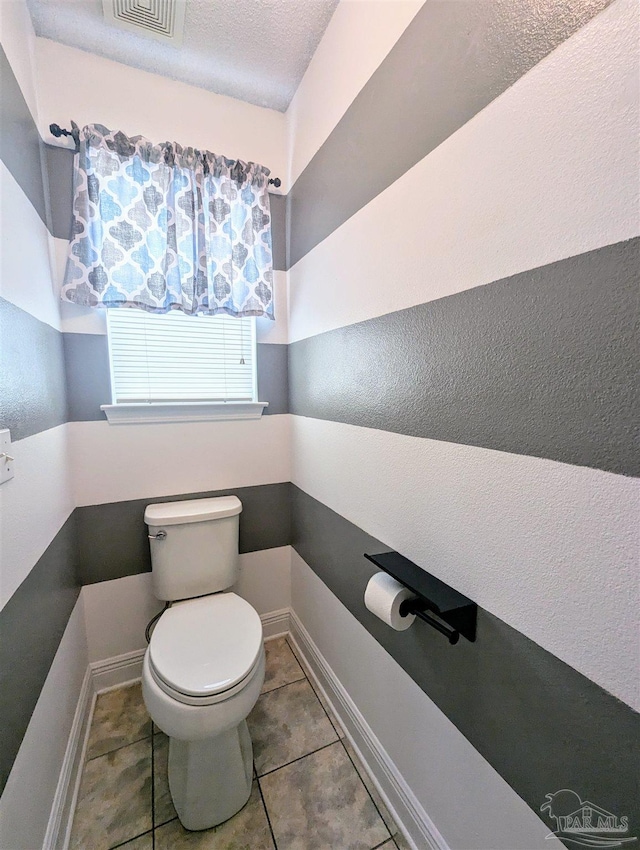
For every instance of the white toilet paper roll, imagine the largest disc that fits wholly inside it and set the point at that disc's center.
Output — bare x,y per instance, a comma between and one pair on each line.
383,597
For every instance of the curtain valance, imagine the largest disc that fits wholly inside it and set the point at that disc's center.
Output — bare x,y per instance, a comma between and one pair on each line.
164,227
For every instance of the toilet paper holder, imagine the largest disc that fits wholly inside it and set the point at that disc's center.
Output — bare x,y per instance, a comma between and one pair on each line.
436,603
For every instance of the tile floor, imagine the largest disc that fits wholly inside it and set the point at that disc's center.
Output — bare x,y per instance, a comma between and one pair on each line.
310,791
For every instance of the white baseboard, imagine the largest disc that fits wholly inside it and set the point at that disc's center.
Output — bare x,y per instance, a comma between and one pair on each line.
419,829
115,672
64,801
276,623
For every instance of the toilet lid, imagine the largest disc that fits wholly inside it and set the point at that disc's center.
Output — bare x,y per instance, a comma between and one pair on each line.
207,645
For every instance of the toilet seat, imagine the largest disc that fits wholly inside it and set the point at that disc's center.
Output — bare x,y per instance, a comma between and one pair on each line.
205,650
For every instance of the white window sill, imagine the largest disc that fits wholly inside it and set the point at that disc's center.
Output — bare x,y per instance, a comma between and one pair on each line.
186,411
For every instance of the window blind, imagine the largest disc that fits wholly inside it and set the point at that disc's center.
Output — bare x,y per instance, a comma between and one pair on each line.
173,357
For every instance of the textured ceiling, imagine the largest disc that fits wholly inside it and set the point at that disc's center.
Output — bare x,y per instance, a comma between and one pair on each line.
253,50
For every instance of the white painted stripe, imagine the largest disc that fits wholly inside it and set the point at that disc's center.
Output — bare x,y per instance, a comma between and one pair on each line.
112,464
548,170
551,549
470,804
359,36
34,505
75,83
30,791
25,261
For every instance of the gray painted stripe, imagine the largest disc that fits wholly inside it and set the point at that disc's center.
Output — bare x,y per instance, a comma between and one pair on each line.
454,58
89,382
88,375
278,207
541,724
32,383
31,627
273,376
542,363
20,139
112,538
60,172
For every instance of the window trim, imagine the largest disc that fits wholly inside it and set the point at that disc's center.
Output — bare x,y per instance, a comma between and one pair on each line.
182,411
147,412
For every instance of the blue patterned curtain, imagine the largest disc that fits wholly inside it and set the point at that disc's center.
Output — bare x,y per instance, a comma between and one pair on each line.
162,227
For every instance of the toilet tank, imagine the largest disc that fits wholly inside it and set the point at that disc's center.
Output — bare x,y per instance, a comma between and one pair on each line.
194,546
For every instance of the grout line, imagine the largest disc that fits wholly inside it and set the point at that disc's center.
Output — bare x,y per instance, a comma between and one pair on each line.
341,740
165,822
133,838
366,788
266,811
115,749
293,761
286,684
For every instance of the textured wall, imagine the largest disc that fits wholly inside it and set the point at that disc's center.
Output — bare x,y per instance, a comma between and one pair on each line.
43,645
463,273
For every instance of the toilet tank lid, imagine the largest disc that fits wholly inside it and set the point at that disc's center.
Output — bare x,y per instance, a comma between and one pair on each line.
192,510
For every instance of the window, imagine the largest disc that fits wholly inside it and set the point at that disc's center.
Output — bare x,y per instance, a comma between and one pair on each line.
173,366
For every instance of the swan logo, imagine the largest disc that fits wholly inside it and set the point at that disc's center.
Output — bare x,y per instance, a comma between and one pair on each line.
584,823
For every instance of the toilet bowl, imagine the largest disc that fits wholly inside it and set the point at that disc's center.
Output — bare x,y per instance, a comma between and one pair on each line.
202,674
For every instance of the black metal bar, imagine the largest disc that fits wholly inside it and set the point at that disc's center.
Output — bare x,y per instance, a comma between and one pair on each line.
58,131
418,607
456,613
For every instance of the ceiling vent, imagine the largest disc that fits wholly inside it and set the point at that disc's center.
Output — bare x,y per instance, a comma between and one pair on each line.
159,19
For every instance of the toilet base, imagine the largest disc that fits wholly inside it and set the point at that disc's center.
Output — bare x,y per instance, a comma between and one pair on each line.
210,779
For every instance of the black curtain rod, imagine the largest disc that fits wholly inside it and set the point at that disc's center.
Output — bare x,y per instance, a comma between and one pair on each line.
57,131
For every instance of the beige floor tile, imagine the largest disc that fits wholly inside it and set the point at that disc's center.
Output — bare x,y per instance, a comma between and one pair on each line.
401,842
143,842
319,802
281,666
286,724
371,788
305,669
114,803
248,830
163,809
119,718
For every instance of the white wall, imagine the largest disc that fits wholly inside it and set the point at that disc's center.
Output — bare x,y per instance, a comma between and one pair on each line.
28,795
470,803
544,172
18,41
359,36
117,611
135,461
89,89
113,463
37,501
528,539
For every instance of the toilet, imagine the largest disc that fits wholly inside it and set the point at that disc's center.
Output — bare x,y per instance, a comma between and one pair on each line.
204,667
